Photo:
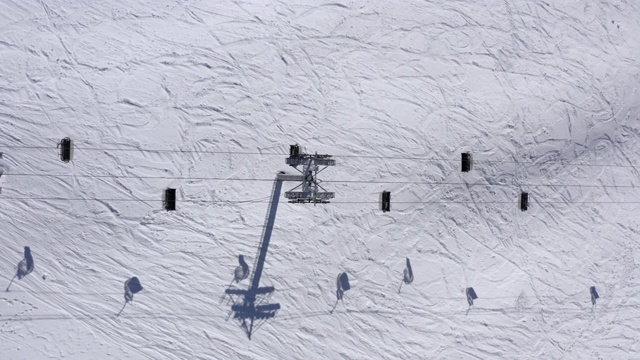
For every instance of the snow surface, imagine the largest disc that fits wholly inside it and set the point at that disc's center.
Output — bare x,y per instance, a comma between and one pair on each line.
544,94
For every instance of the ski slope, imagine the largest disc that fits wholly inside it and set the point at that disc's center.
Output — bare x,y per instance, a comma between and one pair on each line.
206,97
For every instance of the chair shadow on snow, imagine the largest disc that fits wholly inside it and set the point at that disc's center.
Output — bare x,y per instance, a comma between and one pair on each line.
342,285
242,270
25,266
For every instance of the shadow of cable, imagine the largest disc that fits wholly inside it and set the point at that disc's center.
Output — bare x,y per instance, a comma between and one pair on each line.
57,317
206,317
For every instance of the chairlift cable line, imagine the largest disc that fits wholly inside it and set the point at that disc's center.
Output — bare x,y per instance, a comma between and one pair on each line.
235,202
166,177
420,158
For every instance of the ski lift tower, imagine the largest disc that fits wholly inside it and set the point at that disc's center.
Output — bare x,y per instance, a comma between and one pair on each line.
310,190
253,303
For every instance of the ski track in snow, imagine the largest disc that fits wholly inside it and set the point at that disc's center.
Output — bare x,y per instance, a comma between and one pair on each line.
544,89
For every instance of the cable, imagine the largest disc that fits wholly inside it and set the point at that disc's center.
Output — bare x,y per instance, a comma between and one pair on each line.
140,177
335,156
150,150
79,199
292,316
331,202
324,181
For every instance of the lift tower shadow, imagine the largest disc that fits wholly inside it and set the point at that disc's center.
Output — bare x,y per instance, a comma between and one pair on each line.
251,306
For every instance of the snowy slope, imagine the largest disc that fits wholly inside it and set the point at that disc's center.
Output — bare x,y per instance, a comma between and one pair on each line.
196,95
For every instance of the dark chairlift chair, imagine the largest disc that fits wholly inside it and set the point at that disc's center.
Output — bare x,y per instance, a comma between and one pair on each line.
466,162
65,149
385,204
524,201
169,199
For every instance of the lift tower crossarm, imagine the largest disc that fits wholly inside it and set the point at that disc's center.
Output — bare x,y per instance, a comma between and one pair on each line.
289,177
310,190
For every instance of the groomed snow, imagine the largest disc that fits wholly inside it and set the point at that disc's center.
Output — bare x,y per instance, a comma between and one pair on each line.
543,94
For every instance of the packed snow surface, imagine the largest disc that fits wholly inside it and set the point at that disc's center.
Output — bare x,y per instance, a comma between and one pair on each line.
207,96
